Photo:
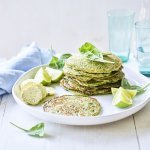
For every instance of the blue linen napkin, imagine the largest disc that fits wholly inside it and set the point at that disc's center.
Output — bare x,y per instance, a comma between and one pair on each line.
29,57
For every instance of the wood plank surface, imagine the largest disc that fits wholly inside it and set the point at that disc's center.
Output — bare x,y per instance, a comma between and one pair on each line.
142,121
120,135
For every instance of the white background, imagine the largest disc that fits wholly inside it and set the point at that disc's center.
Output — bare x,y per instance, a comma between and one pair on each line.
64,24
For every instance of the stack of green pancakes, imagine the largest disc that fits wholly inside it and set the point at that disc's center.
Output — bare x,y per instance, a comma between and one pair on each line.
91,77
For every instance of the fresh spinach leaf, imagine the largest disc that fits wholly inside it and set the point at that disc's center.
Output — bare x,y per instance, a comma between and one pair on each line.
65,56
90,50
62,59
126,85
92,53
58,63
37,130
54,62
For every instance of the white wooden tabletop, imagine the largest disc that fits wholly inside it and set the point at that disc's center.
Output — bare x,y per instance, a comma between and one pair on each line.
132,133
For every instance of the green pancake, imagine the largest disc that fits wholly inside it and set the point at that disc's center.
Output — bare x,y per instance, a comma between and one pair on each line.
91,77
79,62
73,105
96,83
95,79
74,86
73,72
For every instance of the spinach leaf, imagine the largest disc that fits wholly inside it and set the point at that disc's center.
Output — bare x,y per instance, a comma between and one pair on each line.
62,59
92,53
37,130
58,63
126,85
54,62
65,56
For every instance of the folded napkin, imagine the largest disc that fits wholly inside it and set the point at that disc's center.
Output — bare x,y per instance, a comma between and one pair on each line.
29,57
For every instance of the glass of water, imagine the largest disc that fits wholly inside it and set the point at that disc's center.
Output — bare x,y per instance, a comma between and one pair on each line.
142,29
120,27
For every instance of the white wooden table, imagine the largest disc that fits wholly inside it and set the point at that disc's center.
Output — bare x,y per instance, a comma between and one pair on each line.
132,133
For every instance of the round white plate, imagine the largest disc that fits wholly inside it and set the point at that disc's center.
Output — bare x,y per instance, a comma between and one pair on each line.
109,112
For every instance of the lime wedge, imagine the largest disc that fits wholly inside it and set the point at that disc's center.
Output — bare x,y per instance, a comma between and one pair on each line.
114,90
123,98
54,73
131,92
42,77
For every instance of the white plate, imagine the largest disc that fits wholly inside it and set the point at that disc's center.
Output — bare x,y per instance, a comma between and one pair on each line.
109,113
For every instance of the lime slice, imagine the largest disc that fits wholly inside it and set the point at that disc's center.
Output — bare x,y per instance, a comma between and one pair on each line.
44,92
32,92
122,98
28,82
42,77
50,90
54,73
32,95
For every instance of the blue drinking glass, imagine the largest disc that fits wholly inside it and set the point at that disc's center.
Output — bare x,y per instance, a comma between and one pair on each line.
142,29
120,27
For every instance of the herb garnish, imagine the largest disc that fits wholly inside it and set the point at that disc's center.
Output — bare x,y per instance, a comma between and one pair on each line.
58,63
92,53
126,85
37,130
